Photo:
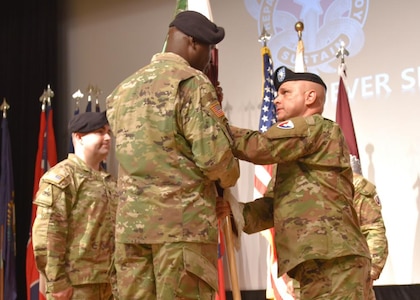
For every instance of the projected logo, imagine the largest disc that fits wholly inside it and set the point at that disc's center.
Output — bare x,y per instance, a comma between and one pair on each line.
326,24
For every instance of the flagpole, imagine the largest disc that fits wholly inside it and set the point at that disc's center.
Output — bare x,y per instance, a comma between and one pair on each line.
4,107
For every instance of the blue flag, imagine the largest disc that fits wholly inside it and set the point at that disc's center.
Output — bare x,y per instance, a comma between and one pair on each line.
7,217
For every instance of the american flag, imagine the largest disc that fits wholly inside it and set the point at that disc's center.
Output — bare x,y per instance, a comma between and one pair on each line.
276,287
46,158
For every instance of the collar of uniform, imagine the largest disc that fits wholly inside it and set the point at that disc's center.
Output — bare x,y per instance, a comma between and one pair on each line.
169,56
73,157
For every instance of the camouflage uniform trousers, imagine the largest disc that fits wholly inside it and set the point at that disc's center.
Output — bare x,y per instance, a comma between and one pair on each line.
95,291
343,278
166,271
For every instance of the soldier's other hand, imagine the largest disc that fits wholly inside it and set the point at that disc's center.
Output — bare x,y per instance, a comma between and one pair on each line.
222,208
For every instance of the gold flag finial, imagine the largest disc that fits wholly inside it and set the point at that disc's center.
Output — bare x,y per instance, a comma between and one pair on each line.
299,28
4,107
264,37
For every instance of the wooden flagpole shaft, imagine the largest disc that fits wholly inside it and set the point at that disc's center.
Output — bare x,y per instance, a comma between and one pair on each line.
230,249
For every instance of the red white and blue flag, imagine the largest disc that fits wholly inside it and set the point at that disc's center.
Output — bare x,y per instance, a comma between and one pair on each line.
46,157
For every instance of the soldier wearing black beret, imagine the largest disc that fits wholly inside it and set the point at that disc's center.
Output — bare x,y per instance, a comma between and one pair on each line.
87,122
73,232
199,27
283,74
309,201
172,144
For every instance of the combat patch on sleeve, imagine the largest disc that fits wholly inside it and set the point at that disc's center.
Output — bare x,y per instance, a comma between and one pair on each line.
295,127
44,196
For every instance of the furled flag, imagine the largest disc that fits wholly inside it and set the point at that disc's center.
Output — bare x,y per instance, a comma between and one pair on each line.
7,215
46,157
343,113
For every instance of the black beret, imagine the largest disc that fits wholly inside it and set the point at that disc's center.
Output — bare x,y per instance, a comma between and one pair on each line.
196,25
88,122
283,74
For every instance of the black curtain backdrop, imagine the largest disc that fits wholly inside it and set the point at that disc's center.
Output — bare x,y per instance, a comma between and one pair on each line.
28,62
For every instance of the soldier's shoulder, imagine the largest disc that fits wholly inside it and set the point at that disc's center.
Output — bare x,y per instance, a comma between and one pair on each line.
289,128
362,185
59,175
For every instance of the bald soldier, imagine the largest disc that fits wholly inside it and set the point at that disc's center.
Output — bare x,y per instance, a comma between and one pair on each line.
73,232
317,234
172,145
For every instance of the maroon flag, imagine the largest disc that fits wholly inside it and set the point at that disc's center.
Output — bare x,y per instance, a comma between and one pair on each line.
345,120
46,157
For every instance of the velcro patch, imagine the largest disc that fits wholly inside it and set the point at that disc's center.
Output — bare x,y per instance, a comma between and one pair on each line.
52,177
216,109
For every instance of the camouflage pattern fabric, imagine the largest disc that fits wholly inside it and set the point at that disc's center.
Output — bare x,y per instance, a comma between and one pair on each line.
92,292
368,208
172,144
342,278
73,233
167,271
312,206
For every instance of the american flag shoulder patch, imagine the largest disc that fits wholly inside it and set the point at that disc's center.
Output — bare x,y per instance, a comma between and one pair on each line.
52,177
216,109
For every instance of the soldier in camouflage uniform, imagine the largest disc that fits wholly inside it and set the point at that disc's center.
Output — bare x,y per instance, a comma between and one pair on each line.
317,233
368,208
172,144
73,233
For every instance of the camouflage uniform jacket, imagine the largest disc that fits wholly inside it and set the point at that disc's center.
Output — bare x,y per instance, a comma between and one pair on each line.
172,143
73,233
368,208
311,208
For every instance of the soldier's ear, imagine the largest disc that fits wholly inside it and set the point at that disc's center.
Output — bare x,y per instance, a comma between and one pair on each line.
310,97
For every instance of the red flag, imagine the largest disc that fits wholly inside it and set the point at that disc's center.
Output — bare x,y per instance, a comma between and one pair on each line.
46,157
345,120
